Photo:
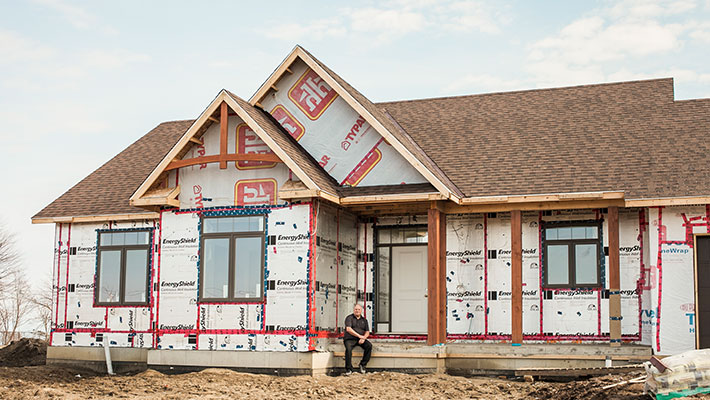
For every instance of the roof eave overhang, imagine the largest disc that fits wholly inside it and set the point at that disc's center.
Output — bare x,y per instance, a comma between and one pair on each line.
95,218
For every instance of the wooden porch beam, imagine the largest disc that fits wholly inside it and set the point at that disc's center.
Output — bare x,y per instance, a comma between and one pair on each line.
452,208
223,124
516,276
197,141
614,284
436,276
223,159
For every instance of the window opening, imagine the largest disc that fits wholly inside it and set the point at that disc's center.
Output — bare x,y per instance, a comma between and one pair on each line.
572,253
232,259
123,268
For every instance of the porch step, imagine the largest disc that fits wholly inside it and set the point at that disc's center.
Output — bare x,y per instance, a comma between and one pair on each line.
498,358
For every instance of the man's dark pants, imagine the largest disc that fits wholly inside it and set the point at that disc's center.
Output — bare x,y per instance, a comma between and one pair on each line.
349,344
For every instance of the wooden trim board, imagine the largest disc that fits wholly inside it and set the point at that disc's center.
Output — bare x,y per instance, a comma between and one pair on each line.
614,278
96,218
516,276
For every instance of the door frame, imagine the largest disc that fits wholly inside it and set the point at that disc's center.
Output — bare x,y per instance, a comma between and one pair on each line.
376,278
695,284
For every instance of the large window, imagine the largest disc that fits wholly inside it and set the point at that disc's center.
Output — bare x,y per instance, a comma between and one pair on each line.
572,253
123,268
232,259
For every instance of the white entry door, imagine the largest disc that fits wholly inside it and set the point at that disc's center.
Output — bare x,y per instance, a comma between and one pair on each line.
409,289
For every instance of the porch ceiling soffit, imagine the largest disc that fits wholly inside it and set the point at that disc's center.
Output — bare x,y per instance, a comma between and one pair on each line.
374,116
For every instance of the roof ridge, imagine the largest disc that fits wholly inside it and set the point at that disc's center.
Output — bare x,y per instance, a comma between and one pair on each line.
176,120
702,99
526,90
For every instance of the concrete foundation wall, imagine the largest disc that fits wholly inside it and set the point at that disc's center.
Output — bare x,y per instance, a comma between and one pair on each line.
457,358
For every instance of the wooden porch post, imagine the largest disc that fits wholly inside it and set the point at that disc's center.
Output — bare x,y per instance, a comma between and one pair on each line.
614,296
436,276
516,276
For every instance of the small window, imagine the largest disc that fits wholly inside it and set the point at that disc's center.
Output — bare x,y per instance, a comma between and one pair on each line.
232,259
572,255
402,235
123,268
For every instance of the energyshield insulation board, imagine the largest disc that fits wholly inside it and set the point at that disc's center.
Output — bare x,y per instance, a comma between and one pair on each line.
176,316
478,280
76,318
278,323
337,268
339,139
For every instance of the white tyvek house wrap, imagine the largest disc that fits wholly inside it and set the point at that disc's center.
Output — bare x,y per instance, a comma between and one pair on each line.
206,185
338,138
672,278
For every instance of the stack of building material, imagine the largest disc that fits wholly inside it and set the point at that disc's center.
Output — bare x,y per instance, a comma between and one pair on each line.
680,375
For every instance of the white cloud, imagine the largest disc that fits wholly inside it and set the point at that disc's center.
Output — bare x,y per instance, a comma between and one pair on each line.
77,16
15,48
467,16
587,48
312,30
642,9
591,40
112,59
701,32
386,21
394,19
476,83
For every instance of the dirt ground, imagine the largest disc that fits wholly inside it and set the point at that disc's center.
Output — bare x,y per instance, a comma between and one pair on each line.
45,382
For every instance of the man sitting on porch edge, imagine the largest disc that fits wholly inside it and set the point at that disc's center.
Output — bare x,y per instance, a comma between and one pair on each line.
357,331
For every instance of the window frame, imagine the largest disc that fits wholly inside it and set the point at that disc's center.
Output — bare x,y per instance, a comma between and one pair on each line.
232,236
122,270
571,253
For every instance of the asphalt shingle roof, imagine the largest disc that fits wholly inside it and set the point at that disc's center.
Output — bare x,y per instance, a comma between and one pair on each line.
629,136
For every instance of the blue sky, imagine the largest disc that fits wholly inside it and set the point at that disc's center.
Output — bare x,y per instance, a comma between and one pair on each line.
81,80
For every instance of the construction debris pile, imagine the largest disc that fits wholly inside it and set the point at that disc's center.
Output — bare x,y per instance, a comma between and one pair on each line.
680,375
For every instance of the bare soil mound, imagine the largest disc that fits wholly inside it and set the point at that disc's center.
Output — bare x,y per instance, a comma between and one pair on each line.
51,382
23,353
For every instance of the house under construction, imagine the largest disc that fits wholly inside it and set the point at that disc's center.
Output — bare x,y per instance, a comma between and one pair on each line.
572,221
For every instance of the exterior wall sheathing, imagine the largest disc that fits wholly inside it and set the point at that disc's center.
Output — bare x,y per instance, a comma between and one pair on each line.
330,248
669,315
479,289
